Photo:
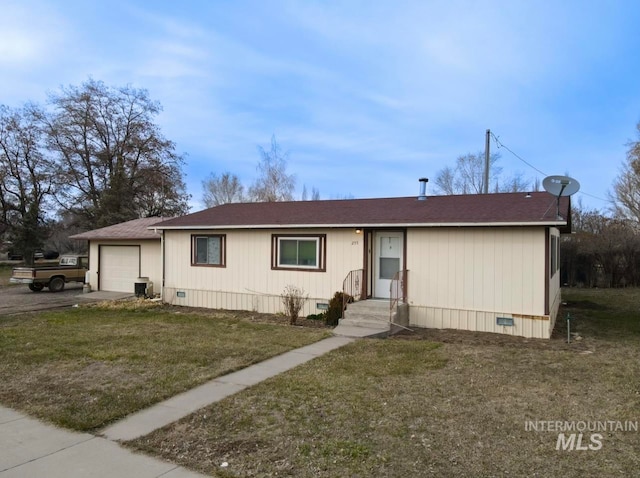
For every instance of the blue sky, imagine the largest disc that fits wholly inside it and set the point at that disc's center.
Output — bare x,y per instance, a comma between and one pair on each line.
367,96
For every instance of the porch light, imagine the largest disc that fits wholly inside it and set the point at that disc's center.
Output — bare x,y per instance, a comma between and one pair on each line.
358,230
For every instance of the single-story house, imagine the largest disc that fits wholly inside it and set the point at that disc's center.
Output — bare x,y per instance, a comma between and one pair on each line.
120,254
475,262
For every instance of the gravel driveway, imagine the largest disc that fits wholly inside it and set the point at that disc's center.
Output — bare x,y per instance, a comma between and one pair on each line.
17,299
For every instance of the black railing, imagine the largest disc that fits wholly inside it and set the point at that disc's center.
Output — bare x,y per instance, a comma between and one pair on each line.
352,287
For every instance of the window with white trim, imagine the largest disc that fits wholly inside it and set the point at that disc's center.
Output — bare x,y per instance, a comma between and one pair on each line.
208,250
298,252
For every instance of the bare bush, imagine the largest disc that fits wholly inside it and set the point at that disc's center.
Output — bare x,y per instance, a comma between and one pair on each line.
293,299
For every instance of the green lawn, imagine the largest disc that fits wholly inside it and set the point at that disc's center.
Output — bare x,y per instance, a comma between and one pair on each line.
611,314
5,274
86,367
432,404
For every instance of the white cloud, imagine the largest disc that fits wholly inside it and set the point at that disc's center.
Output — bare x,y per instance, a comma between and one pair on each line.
403,87
31,35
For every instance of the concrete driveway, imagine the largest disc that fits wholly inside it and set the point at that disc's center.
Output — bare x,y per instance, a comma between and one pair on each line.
18,299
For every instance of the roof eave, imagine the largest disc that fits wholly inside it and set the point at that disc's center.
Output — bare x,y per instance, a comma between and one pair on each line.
112,238
368,226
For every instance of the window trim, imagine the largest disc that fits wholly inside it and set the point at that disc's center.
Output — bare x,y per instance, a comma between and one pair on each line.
223,250
321,252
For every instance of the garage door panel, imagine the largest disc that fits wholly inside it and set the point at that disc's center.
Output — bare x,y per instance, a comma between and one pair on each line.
119,268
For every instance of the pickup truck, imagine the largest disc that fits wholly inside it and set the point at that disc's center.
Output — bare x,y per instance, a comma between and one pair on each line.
71,268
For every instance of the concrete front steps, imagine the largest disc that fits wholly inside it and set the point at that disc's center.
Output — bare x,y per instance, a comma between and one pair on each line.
365,318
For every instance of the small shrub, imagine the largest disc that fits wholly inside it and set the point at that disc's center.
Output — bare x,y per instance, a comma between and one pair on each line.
321,316
293,299
335,308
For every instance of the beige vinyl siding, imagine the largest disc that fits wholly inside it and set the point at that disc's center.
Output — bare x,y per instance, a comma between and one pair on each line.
248,281
466,277
150,265
458,277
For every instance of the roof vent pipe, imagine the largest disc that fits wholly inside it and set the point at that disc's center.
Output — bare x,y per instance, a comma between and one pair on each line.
423,189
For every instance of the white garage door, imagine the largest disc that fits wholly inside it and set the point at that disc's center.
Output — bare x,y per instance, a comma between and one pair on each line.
119,268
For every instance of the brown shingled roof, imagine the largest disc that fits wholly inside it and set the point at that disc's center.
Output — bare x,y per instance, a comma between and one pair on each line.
135,229
478,210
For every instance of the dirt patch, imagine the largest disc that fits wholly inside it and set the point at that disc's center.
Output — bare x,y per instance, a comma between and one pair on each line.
467,337
18,299
250,316
585,305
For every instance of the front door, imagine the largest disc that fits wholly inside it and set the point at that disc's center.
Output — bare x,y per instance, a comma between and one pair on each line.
387,261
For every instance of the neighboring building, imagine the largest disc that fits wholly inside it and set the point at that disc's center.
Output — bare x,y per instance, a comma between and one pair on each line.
475,262
121,253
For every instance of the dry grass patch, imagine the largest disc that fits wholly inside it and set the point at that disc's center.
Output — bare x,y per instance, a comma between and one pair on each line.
5,274
87,367
413,407
609,315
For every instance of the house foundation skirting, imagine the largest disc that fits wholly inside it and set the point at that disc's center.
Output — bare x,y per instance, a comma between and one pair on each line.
481,321
268,304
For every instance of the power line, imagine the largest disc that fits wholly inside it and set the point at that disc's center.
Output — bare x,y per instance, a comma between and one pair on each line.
594,197
499,144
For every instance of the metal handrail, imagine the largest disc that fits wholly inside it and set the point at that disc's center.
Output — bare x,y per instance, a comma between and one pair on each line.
352,287
398,290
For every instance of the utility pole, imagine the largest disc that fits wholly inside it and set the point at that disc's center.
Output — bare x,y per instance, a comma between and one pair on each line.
486,163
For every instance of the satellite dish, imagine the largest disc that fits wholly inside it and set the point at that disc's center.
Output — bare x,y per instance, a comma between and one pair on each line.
560,185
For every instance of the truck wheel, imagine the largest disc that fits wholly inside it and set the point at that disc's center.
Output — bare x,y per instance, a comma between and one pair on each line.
56,284
36,287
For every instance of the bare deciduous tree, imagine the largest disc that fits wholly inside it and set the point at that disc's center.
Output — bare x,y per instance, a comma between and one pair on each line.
315,194
446,182
114,163
222,189
273,183
467,177
603,251
516,183
626,187
26,179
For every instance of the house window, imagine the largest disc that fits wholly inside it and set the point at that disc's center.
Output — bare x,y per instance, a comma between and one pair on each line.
554,252
208,250
298,252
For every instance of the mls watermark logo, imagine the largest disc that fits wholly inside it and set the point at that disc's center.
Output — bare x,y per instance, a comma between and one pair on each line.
580,435
573,441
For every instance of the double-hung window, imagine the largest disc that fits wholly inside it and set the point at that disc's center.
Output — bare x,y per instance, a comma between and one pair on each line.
208,250
299,252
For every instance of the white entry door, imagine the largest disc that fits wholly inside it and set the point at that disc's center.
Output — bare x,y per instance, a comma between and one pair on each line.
387,261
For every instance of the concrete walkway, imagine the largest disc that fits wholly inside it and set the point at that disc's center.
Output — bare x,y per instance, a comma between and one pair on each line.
30,448
175,408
